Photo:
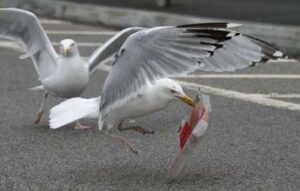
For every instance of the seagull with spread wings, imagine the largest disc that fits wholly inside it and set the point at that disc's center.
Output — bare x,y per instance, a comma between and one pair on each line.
64,75
151,54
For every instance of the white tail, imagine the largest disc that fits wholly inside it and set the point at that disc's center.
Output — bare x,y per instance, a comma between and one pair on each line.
72,110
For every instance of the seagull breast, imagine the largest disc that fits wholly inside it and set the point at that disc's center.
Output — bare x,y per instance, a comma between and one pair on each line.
149,101
70,79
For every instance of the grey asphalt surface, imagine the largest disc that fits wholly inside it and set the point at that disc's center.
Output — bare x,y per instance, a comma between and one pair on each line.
247,146
266,11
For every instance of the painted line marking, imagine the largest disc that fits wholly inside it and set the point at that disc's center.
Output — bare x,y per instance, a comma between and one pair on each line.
243,96
283,60
82,44
104,67
53,21
277,95
15,46
11,45
242,76
78,32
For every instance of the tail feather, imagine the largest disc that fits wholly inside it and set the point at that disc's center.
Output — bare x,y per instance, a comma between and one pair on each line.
72,110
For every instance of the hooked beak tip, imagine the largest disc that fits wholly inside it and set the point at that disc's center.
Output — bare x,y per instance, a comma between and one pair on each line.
188,100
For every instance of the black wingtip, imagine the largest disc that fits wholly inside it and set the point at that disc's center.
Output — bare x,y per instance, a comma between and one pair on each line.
276,48
210,25
204,25
217,45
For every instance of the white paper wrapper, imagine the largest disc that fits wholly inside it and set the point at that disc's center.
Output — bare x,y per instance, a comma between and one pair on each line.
191,134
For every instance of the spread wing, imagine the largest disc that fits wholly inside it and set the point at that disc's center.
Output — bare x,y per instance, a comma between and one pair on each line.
110,47
151,54
24,27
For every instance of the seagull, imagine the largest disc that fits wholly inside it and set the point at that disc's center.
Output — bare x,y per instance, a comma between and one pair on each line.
63,75
154,98
151,54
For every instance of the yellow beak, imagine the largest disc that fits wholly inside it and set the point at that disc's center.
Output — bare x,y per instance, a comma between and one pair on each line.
66,51
187,100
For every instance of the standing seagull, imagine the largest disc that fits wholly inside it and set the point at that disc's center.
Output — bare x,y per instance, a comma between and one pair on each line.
155,53
65,75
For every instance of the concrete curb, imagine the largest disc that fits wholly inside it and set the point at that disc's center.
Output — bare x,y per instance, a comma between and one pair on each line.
286,37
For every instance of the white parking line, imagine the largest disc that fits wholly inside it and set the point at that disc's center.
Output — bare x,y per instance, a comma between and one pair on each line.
11,45
79,32
17,47
243,76
284,60
258,99
53,21
83,44
277,95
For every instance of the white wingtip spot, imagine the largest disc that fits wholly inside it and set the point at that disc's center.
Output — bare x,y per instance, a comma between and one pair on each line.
232,25
278,54
231,34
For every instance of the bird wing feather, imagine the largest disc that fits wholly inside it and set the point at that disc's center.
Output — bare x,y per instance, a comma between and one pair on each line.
110,47
24,27
151,54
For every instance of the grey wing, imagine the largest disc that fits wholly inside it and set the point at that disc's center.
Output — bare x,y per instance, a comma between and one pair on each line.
24,27
170,51
110,47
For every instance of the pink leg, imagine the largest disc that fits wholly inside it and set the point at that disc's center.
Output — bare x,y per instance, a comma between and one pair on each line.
40,112
137,128
80,126
124,141
38,118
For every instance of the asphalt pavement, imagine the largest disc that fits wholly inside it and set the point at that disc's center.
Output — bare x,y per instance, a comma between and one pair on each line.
264,11
252,142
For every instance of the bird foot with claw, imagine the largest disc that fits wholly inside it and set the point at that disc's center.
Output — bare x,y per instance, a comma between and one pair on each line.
143,130
79,126
38,118
125,142
130,146
137,128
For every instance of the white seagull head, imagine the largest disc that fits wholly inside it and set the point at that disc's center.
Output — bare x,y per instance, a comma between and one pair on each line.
68,47
171,90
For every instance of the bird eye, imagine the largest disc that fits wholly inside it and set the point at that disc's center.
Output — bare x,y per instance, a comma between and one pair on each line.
73,44
173,91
